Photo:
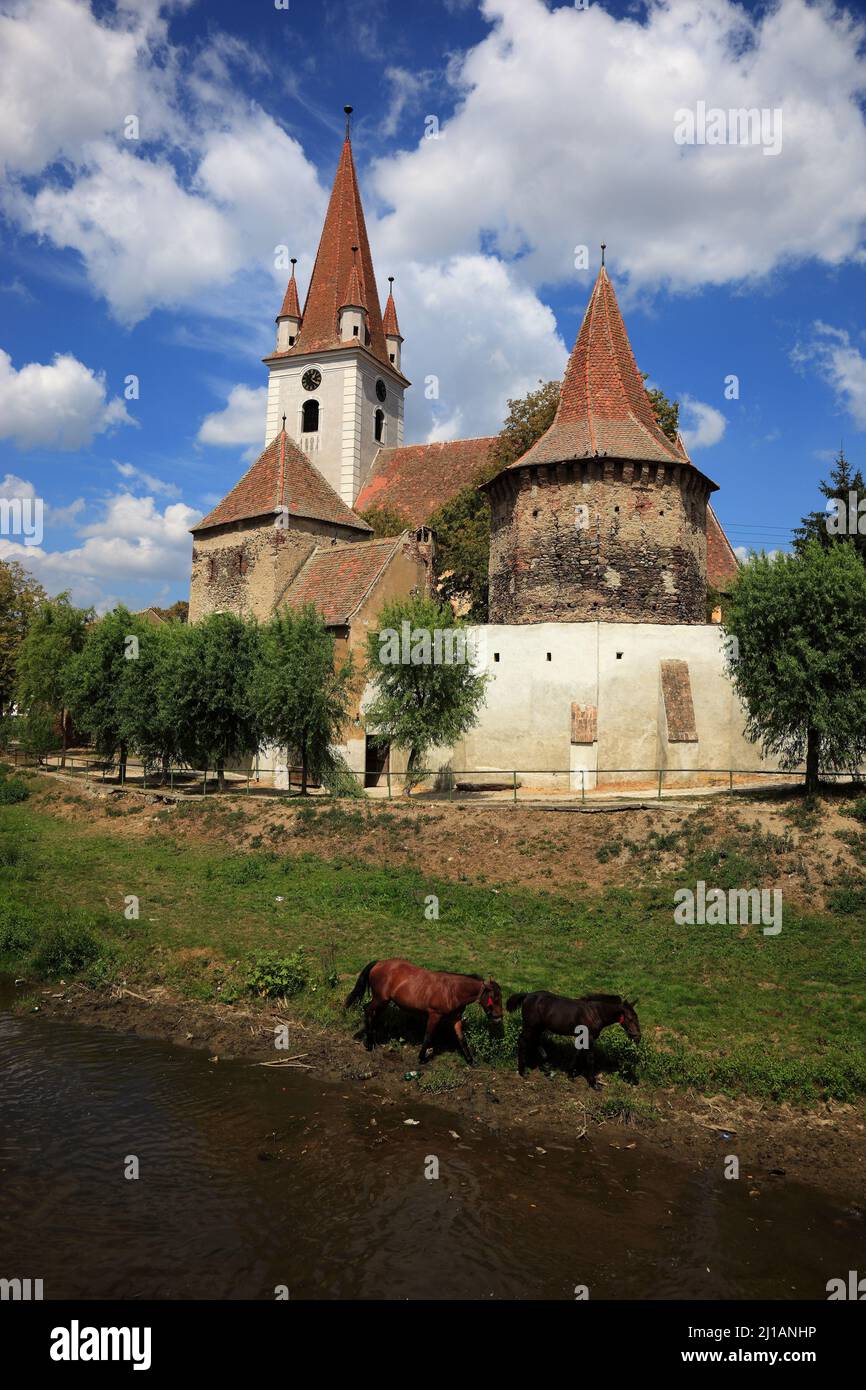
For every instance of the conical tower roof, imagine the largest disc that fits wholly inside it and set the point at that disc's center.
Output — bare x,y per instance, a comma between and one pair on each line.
604,410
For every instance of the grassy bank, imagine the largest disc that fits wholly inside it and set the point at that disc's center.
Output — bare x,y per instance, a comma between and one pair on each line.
723,1008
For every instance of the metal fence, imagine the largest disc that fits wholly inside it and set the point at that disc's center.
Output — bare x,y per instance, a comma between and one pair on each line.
448,784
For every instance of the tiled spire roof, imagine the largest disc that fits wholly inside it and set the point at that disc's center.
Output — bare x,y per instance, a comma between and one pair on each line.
354,293
282,476
604,409
331,278
291,306
389,322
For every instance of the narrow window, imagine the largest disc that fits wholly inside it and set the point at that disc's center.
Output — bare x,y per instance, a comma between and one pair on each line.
310,419
391,356
495,656
356,330
619,656
291,342
549,657
379,427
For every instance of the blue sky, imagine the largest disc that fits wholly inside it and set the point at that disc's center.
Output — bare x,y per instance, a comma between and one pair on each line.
154,256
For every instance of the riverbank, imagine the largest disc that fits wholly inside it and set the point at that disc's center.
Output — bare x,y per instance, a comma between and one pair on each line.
822,1146
180,921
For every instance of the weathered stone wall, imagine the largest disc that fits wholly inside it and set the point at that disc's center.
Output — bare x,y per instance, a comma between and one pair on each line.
599,539
245,567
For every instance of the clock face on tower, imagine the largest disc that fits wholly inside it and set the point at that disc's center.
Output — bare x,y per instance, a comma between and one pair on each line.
380,389
311,380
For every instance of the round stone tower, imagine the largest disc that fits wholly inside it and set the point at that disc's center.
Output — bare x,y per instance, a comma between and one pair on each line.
603,518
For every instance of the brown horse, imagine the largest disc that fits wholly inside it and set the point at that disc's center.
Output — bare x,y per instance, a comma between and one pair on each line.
584,1017
441,994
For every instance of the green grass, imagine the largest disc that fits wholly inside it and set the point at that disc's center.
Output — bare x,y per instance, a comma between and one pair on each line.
780,1017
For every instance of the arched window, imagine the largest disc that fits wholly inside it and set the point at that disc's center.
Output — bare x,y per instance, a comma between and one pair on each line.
379,428
310,418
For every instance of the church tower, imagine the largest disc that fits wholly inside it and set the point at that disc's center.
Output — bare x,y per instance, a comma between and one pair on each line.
604,518
335,370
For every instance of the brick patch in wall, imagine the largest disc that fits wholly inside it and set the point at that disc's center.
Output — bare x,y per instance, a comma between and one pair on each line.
679,706
584,723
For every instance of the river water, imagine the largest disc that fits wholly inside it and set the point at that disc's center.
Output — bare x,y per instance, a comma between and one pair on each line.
252,1178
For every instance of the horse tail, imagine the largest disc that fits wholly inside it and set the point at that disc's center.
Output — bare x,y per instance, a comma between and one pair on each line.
514,1002
362,984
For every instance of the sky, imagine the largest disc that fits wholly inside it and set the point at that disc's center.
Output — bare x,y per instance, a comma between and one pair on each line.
156,157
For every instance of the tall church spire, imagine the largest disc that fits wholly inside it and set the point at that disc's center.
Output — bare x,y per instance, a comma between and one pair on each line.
337,269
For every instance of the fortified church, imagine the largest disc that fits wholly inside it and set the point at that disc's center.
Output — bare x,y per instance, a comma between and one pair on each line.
603,539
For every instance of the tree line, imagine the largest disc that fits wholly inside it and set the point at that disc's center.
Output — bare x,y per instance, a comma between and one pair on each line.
209,695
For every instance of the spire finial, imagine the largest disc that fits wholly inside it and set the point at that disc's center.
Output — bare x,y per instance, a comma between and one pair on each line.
348,111
284,424
294,263
391,281
603,249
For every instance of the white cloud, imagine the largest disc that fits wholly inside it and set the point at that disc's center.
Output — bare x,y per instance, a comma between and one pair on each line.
16,488
66,79
839,363
62,405
704,424
144,239
483,336
242,421
137,475
407,88
133,538
148,234
563,136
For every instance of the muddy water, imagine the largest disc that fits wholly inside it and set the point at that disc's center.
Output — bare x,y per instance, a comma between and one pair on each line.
255,1177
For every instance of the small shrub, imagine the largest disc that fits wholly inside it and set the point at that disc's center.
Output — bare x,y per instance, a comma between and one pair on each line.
241,869
606,852
857,809
17,930
12,790
271,977
66,947
848,897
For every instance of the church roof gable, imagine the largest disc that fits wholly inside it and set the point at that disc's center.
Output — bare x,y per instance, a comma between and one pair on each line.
282,476
337,578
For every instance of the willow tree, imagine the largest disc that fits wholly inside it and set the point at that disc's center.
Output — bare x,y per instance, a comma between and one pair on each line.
55,635
208,690
301,695
98,677
796,626
426,690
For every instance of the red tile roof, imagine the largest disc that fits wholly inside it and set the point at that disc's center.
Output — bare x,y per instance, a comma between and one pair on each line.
417,479
722,563
344,228
354,297
290,299
603,405
282,476
389,322
337,578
